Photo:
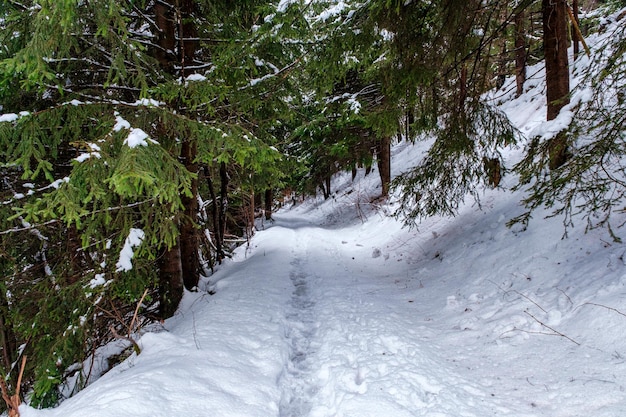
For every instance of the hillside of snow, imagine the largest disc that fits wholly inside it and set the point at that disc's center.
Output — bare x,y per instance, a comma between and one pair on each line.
337,310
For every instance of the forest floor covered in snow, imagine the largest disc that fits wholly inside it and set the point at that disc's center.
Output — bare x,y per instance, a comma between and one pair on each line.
330,313
336,310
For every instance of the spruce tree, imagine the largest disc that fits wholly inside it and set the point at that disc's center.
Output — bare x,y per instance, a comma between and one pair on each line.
113,112
429,63
590,183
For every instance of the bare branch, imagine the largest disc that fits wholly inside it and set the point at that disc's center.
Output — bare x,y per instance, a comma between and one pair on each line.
556,332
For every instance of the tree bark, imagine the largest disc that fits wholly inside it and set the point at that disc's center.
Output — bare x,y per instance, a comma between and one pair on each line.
520,52
218,238
170,281
7,337
224,179
575,38
166,38
383,158
269,199
557,72
174,19
177,34
189,238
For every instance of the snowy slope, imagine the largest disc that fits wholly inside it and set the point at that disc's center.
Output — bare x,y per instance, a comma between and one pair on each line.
335,309
325,317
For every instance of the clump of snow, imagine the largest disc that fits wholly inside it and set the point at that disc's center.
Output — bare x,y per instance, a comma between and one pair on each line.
8,117
333,11
120,123
148,102
134,239
196,77
137,137
56,184
85,156
98,280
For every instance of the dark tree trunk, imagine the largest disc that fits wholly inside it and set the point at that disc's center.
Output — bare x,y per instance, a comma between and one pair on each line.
189,238
217,231
269,199
170,282
170,266
224,179
7,338
188,35
555,49
249,214
325,186
166,38
178,47
462,89
520,52
383,159
328,191
575,38
557,72
173,18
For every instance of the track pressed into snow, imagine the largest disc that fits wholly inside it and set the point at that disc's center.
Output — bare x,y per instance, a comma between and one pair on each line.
355,345
296,382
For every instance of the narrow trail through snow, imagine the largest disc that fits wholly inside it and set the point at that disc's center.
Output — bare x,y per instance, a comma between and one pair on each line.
353,349
296,382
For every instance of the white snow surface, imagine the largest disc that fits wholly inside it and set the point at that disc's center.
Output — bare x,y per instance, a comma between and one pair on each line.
134,239
336,310
137,137
330,313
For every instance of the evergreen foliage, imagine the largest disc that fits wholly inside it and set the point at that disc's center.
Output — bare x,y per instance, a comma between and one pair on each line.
411,70
592,181
108,138
137,134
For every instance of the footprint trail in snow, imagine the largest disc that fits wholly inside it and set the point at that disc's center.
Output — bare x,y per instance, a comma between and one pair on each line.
297,384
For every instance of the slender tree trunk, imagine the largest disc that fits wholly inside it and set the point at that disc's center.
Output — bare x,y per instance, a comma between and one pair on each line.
520,52
326,187
462,88
188,34
250,214
575,38
170,281
189,237
177,46
218,238
383,158
166,38
224,179
557,72
7,336
269,199
502,63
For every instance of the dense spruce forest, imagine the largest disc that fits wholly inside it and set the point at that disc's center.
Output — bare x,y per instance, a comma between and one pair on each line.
141,139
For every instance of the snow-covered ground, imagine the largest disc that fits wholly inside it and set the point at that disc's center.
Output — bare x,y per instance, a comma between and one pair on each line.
336,310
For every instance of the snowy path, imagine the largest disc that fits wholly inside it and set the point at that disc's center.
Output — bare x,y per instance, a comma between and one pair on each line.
369,320
350,354
301,325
